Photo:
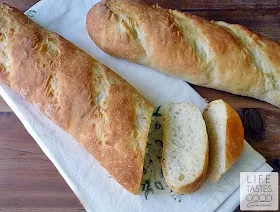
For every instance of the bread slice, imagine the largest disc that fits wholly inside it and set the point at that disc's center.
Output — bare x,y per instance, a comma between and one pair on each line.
185,147
226,136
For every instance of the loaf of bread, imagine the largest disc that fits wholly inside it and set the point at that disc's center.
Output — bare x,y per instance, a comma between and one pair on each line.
226,137
218,55
185,147
105,114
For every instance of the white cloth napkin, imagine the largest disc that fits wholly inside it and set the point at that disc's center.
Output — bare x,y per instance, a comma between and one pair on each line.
96,190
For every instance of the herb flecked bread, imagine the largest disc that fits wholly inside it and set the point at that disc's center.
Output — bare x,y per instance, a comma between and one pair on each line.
213,54
185,147
226,137
105,114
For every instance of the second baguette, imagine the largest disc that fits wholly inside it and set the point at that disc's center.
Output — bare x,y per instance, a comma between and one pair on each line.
207,53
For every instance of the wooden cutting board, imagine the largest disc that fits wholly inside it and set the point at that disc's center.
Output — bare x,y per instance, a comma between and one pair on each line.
29,181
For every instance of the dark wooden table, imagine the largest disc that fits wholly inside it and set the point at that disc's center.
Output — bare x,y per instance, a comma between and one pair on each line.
29,181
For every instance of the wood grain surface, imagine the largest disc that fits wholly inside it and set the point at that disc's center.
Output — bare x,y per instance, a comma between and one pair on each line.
217,4
29,181
22,5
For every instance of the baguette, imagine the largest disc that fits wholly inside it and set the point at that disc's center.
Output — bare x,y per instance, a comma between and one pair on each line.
226,137
185,147
105,114
212,54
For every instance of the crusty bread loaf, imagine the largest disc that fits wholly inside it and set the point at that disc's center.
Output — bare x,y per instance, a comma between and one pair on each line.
185,147
226,136
97,107
218,55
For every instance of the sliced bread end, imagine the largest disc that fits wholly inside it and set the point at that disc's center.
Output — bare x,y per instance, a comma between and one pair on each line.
226,136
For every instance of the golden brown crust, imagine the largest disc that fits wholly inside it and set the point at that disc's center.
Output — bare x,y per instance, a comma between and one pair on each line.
234,136
223,56
97,107
227,138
